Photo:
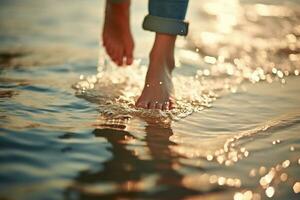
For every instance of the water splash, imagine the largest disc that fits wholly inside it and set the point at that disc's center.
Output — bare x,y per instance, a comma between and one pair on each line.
219,60
115,90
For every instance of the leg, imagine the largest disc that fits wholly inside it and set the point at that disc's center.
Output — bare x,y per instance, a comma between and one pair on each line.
166,19
158,90
117,38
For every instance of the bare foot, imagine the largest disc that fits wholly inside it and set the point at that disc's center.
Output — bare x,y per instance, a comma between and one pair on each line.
117,37
158,92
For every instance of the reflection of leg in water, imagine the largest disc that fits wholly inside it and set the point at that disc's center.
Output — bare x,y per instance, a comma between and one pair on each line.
121,168
157,139
125,167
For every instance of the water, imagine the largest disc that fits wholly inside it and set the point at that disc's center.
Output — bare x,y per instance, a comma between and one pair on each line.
69,129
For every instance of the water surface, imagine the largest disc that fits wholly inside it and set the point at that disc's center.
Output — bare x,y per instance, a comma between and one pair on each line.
69,129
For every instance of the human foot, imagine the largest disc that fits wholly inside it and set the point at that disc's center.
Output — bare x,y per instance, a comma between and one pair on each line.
116,35
158,92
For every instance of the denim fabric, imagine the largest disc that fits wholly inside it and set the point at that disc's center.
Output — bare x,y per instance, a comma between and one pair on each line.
174,9
165,25
165,16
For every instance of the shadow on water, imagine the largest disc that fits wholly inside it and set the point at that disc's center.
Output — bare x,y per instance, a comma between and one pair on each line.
128,171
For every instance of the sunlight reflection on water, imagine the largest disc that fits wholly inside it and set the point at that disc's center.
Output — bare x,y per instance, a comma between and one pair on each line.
234,134
233,51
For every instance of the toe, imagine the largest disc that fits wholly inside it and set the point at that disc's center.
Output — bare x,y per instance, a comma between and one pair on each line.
128,53
119,56
110,53
166,105
159,105
172,105
152,105
114,54
143,105
109,49
129,60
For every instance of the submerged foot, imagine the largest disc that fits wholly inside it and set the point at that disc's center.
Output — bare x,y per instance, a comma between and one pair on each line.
117,38
158,92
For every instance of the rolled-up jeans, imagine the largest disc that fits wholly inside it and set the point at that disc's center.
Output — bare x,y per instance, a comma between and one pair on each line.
165,16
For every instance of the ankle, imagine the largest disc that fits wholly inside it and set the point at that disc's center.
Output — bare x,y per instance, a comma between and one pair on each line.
161,62
166,57
164,42
163,48
123,4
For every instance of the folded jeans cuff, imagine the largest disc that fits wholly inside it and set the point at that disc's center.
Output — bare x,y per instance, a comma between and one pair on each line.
165,25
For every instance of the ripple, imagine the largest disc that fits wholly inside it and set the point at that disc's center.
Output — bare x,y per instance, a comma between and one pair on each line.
234,134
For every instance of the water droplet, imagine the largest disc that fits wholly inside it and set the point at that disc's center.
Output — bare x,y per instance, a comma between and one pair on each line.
221,180
228,162
209,157
210,59
276,142
292,148
296,187
213,179
248,195
237,182
291,38
206,72
286,73
252,173
279,74
278,167
286,164
262,170
230,182
283,177
238,196
220,159
270,192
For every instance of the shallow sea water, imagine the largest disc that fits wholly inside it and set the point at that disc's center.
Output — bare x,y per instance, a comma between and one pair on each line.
69,130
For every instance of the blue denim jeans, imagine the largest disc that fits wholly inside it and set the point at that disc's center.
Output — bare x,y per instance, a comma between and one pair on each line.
165,16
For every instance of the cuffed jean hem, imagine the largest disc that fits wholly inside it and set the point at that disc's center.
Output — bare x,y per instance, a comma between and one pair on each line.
165,25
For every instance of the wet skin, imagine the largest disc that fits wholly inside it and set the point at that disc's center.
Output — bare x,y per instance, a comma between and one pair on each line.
158,92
